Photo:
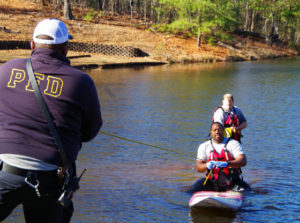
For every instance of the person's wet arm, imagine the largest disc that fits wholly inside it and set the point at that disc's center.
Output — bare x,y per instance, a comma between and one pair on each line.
238,162
242,125
243,120
201,166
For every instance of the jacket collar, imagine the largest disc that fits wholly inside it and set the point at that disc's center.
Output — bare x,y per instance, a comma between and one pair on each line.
44,53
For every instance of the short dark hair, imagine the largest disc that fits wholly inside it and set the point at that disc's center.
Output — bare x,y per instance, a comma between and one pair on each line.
218,123
49,46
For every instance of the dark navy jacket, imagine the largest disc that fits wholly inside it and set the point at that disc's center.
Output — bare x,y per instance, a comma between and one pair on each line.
70,95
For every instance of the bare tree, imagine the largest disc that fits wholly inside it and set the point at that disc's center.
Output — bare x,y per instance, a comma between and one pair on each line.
42,2
100,5
252,26
68,10
57,5
131,11
246,23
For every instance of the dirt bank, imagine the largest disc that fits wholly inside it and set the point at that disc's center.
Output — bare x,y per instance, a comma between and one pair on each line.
19,17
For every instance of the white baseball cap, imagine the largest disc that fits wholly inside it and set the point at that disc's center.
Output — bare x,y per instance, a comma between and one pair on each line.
53,28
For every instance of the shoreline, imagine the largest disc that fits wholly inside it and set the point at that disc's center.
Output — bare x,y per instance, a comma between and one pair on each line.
88,61
84,61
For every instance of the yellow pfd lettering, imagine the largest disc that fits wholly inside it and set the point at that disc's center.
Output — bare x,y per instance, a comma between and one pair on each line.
54,86
38,77
16,76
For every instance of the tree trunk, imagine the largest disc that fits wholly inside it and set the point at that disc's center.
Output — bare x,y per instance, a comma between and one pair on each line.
82,6
131,11
100,5
138,9
153,11
246,24
271,35
55,5
199,38
42,2
265,25
112,7
252,26
297,40
68,10
103,5
145,12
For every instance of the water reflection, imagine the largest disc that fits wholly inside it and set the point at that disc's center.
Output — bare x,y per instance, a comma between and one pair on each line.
203,215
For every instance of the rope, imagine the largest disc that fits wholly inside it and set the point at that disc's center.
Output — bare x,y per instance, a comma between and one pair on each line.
147,144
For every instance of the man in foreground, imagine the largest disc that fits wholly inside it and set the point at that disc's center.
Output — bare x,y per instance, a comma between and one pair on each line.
29,156
222,158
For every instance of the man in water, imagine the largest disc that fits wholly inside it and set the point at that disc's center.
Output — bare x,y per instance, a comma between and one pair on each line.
222,158
230,116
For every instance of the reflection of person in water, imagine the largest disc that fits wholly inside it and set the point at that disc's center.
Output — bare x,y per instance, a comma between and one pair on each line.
222,158
200,215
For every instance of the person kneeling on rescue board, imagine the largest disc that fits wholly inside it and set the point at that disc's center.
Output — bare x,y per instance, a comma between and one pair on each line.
231,117
222,158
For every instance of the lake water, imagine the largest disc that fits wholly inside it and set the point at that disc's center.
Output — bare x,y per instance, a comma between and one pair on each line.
171,107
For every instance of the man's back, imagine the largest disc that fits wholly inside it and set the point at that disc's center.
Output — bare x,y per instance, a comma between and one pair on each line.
70,95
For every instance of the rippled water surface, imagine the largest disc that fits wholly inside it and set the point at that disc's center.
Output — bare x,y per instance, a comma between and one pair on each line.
171,107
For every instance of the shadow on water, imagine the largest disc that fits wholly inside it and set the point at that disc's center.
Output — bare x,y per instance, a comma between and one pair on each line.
202,215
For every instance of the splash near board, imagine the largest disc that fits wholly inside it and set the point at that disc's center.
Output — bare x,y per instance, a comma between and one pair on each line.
210,199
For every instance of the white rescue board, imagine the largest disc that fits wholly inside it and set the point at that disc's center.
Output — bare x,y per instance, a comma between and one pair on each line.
211,199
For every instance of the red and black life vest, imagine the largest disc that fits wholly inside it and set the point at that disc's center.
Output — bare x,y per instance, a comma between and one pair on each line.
231,121
223,178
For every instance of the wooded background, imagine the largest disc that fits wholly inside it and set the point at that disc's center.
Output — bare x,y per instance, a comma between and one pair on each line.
214,20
